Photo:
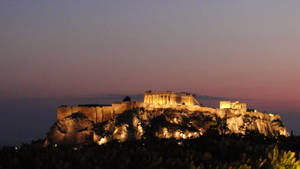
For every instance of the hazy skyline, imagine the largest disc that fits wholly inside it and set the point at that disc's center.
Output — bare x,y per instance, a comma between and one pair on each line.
72,49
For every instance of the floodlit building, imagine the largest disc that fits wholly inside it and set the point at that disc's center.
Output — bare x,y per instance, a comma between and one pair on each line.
233,105
169,98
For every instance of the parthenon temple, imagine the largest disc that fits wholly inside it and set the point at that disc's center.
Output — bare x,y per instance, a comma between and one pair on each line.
169,98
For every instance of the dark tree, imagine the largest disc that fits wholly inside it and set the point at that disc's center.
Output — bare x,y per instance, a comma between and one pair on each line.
127,99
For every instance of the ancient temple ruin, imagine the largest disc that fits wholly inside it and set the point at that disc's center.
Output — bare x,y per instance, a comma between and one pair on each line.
169,98
233,105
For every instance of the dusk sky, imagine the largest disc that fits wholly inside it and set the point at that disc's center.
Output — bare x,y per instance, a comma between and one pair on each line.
246,49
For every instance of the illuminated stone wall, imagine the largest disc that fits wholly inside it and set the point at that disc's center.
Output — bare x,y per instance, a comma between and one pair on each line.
97,114
152,101
233,105
169,98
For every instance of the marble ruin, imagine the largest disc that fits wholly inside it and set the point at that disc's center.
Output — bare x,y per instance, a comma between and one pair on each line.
169,98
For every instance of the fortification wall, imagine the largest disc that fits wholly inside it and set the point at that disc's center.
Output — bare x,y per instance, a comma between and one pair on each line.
202,109
180,107
65,111
97,114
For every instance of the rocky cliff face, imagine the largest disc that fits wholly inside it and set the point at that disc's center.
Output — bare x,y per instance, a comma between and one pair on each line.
141,123
74,129
254,122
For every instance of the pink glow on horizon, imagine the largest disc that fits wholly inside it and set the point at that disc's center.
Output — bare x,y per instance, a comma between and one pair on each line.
234,49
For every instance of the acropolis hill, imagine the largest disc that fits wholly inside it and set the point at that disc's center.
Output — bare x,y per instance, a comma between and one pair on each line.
98,113
163,115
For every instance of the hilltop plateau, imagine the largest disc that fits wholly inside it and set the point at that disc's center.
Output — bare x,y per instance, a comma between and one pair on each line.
163,115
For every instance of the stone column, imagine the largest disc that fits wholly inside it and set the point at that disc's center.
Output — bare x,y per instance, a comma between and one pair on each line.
151,99
168,99
165,99
146,98
171,99
158,99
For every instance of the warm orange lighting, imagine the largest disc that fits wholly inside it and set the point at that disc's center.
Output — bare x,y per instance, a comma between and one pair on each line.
102,141
169,98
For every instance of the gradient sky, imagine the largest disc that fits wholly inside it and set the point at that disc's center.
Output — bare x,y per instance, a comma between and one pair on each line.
71,49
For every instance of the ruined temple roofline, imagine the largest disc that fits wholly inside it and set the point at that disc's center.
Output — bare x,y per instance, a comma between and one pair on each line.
166,92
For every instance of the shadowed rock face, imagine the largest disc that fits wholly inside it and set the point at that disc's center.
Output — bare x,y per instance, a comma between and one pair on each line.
139,123
74,129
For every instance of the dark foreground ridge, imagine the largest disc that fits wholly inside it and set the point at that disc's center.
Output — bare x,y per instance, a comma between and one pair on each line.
208,151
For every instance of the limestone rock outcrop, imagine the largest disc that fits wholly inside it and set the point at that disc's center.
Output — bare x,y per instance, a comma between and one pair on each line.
186,124
262,123
179,123
74,129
